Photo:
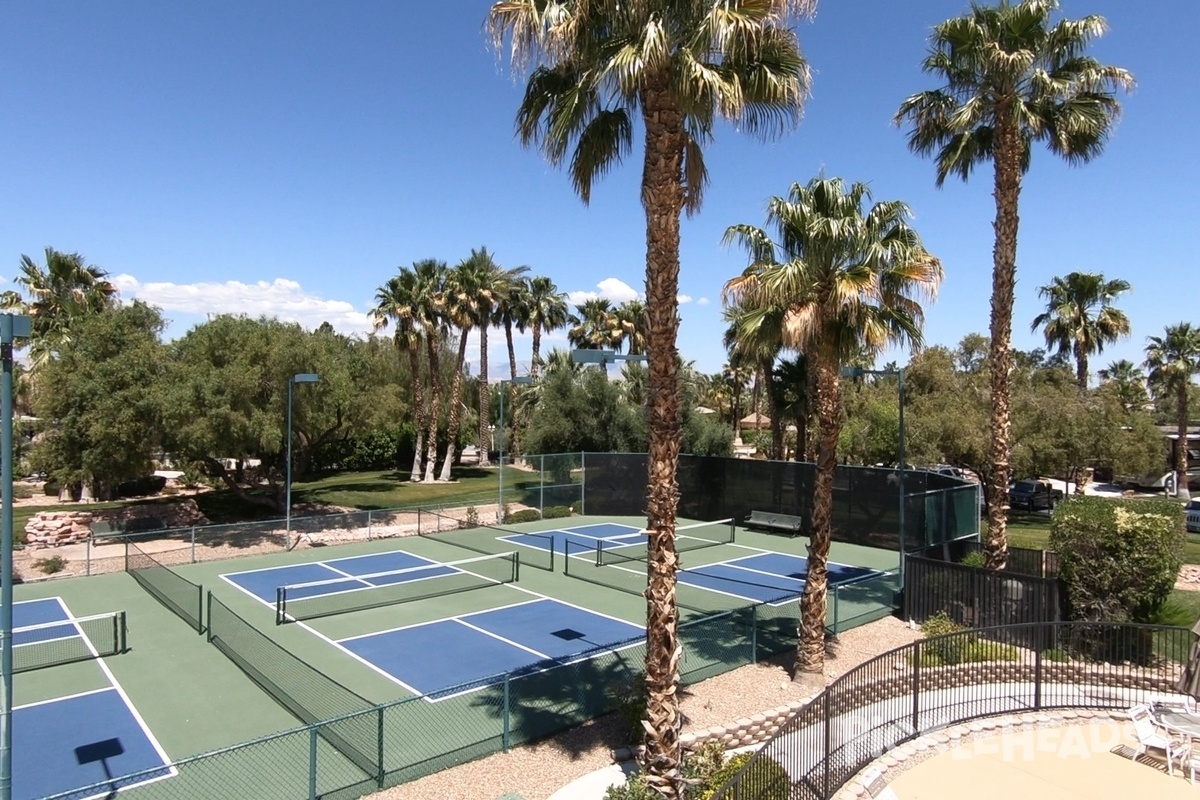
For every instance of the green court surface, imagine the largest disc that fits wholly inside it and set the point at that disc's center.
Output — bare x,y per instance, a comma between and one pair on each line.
195,699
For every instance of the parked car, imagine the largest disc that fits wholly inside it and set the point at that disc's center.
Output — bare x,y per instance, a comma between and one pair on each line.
1192,509
1033,495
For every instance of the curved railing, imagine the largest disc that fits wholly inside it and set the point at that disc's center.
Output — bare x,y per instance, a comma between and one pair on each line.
942,681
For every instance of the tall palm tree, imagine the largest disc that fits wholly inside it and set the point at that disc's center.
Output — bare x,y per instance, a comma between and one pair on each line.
679,65
464,287
512,311
755,334
1172,361
547,312
1080,317
1010,80
592,326
65,289
429,310
395,300
736,375
849,280
629,322
1129,382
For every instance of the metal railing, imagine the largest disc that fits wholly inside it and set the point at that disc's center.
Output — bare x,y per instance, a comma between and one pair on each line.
934,683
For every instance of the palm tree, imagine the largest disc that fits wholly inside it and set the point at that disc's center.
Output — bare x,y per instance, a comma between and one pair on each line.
64,290
512,310
1080,317
1172,361
680,65
849,282
1010,80
396,300
464,286
755,336
592,326
629,323
1128,381
429,308
736,375
547,312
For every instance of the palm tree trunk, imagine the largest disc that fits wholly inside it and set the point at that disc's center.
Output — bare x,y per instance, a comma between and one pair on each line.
435,389
773,412
414,362
1081,366
810,414
1004,279
1182,490
537,348
484,398
810,649
455,407
662,199
514,444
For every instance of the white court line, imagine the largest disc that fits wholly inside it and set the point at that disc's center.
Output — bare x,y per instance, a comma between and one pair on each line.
498,637
431,622
331,561
64,697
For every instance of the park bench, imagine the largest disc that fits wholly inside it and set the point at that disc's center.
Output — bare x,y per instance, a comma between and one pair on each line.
109,529
775,523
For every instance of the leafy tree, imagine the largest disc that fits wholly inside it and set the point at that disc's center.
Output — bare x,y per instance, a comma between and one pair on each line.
1080,317
66,290
584,412
1011,79
849,280
103,397
680,66
1127,382
1173,360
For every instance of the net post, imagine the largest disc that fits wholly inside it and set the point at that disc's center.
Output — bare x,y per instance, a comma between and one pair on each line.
732,530
208,616
122,632
193,544
516,572
200,616
126,555
312,762
599,553
280,604
88,557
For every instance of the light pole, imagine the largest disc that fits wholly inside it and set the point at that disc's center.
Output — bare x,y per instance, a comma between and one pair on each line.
853,372
302,377
11,326
521,381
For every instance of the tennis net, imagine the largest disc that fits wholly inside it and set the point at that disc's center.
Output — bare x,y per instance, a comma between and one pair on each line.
341,595
177,593
65,641
687,538
480,538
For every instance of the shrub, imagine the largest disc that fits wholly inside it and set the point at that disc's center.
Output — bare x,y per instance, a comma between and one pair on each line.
51,565
628,700
1118,558
524,515
51,488
141,487
765,779
22,491
1055,654
974,558
635,788
554,512
471,520
951,644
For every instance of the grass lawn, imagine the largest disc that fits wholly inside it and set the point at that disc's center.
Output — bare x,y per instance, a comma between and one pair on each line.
1034,532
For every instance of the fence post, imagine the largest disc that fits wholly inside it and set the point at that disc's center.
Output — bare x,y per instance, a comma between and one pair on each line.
582,483
504,737
542,486
916,688
368,526
88,557
379,753
837,595
828,742
1037,670
312,762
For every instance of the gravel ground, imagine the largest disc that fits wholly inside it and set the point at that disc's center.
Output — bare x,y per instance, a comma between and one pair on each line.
536,771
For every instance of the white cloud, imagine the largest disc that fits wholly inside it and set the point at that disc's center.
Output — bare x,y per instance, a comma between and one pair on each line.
684,299
281,298
613,289
703,301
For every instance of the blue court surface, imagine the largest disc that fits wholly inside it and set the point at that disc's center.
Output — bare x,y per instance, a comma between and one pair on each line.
533,636
70,742
766,577
337,575
581,537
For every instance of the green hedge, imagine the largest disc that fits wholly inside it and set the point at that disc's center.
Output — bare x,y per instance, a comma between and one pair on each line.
1118,558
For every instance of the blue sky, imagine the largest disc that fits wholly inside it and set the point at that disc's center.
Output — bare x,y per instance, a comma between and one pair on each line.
286,157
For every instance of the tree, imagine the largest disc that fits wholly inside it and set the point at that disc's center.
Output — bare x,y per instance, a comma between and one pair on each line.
1080,318
849,280
465,286
1128,382
547,313
396,299
680,65
59,295
102,394
629,321
1011,79
512,311
429,308
755,336
1172,361
592,326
